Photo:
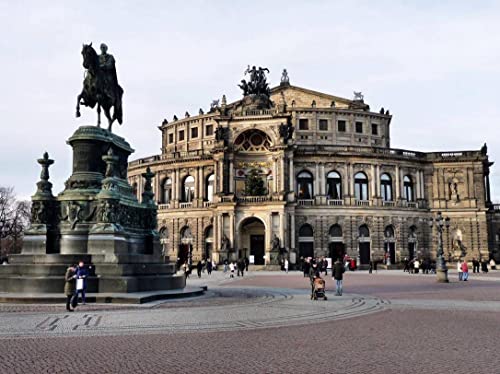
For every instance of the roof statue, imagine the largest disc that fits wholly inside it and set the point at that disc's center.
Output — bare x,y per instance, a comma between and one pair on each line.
285,79
100,85
257,85
358,96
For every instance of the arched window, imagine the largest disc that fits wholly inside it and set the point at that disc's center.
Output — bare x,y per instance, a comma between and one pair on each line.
333,185
386,187
389,232
408,188
335,231
364,231
209,187
188,189
305,185
306,231
361,186
167,191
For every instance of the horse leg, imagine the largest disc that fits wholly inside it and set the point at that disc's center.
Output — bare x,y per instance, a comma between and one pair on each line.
78,98
108,116
98,115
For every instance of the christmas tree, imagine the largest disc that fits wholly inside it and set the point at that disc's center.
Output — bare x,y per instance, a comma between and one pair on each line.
254,184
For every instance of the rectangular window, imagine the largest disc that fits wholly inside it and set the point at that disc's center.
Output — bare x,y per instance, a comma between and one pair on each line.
181,135
194,132
303,124
323,125
359,127
209,130
170,138
374,129
341,125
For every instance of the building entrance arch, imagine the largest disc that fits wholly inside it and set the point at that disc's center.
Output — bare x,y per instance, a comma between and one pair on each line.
252,240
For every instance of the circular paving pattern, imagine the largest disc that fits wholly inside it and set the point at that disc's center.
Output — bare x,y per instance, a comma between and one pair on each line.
221,310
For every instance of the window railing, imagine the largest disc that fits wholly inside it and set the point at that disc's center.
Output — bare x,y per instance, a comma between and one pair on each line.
305,202
410,204
164,206
388,203
207,204
363,202
253,199
226,199
335,202
185,205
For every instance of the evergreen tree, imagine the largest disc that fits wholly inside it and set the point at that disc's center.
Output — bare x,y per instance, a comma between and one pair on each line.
254,184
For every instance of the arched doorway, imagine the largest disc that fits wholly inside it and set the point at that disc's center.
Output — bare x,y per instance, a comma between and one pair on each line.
364,245
209,239
185,252
390,245
253,240
336,243
306,241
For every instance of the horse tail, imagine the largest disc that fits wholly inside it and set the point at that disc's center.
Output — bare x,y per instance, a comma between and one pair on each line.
118,112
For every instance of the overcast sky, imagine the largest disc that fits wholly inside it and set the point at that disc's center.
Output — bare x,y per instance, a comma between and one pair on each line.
436,67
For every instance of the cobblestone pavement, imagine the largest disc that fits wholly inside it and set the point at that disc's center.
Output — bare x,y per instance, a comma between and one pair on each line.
264,323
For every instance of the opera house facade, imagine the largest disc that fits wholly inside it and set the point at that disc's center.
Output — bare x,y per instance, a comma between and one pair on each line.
291,172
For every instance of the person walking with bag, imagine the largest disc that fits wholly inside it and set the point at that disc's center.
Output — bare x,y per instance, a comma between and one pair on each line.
81,280
338,271
69,286
459,270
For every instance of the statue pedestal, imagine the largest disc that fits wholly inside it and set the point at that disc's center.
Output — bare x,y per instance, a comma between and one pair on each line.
442,275
96,219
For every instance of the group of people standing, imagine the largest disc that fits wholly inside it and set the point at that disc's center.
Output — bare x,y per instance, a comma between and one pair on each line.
75,284
415,265
338,270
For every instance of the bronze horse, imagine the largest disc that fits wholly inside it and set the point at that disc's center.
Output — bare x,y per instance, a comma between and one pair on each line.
106,93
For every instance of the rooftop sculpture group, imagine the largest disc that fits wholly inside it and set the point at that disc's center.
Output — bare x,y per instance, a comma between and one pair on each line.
258,82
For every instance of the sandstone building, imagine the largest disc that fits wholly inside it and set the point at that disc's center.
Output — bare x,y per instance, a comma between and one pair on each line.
294,172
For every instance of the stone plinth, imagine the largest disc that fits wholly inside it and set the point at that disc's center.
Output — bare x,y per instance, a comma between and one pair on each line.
96,219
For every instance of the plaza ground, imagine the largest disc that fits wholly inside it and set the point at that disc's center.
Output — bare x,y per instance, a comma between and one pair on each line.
388,322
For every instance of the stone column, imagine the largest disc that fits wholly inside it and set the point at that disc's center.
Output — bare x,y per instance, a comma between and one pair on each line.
422,184
316,177
374,182
351,180
216,176
231,176
291,176
231,231
377,181
398,190
322,180
282,229
292,230
282,173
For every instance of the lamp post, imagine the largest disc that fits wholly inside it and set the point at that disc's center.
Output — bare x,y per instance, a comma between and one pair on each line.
441,270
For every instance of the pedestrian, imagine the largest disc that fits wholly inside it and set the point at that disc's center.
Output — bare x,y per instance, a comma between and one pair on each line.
199,268
247,262
187,269
484,266
416,266
370,269
338,270
81,280
69,286
375,266
286,265
209,267
465,271
306,267
475,265
407,265
231,269
493,264
313,273
241,267
225,266
459,269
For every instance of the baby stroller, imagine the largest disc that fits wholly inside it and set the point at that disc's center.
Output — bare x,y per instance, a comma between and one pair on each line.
318,289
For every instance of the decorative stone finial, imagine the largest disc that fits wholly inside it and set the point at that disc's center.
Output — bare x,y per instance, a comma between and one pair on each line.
187,114
200,112
175,118
44,187
223,101
148,195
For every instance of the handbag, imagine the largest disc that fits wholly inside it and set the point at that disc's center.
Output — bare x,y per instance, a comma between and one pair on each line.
79,284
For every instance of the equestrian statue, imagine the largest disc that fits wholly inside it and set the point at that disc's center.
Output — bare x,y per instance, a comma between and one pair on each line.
100,85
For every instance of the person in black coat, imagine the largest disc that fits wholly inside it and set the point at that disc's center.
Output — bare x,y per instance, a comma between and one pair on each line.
199,268
338,271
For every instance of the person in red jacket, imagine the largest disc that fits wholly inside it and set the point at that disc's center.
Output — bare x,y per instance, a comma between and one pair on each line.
465,271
